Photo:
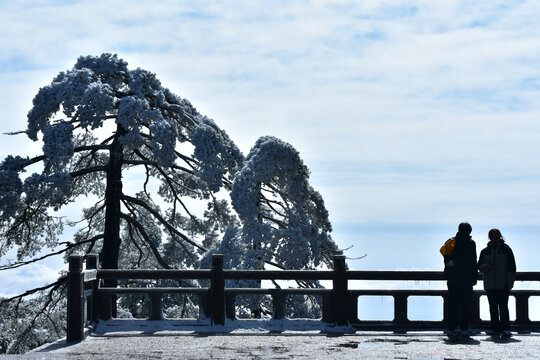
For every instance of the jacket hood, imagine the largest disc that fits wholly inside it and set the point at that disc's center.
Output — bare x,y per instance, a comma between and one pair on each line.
492,244
462,236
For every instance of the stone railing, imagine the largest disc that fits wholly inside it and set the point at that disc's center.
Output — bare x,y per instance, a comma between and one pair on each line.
89,301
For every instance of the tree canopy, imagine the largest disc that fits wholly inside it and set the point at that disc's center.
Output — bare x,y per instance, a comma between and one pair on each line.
160,178
284,219
97,121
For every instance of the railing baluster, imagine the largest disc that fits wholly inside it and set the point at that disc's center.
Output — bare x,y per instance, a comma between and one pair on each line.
204,306
475,309
522,309
400,309
278,302
230,309
353,308
328,313
217,291
156,312
105,306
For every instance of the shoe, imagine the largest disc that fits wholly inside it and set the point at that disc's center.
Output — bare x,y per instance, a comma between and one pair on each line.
506,333
454,336
467,333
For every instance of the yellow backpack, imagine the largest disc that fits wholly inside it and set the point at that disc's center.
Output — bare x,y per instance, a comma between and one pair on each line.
448,248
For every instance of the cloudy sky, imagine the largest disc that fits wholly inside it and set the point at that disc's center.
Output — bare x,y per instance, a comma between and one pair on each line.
412,115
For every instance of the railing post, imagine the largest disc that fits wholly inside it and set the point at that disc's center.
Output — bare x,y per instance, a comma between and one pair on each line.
340,291
217,291
522,309
400,309
156,312
75,300
92,261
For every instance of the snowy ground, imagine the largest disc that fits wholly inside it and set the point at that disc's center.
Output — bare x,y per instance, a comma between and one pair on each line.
276,340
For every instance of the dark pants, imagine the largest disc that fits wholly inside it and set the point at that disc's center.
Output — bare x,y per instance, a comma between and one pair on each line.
459,305
498,309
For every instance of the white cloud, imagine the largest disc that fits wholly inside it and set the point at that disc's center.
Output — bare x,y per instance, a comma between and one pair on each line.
400,107
15,282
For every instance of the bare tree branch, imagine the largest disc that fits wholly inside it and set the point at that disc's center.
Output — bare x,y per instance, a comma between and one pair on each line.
132,240
39,158
142,232
169,181
156,165
132,209
281,224
92,148
88,171
160,218
15,132
55,284
68,247
39,313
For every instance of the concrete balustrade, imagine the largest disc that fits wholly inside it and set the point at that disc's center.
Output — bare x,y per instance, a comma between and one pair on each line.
89,301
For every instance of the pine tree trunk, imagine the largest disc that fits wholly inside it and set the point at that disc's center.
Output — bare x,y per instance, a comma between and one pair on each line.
113,193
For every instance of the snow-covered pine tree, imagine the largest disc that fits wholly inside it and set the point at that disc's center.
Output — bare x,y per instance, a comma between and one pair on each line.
285,221
99,122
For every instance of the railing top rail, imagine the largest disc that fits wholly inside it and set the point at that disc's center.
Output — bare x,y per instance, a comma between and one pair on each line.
423,275
147,290
279,274
153,274
391,275
395,275
528,276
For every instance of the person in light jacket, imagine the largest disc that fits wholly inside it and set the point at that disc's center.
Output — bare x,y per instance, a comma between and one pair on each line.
498,265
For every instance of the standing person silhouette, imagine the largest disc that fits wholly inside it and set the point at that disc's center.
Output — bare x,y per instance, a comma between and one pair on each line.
498,266
460,269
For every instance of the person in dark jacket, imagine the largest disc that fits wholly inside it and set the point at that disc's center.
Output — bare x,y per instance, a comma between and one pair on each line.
460,269
498,266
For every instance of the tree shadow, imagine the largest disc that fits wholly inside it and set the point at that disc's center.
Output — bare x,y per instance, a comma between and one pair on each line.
59,344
